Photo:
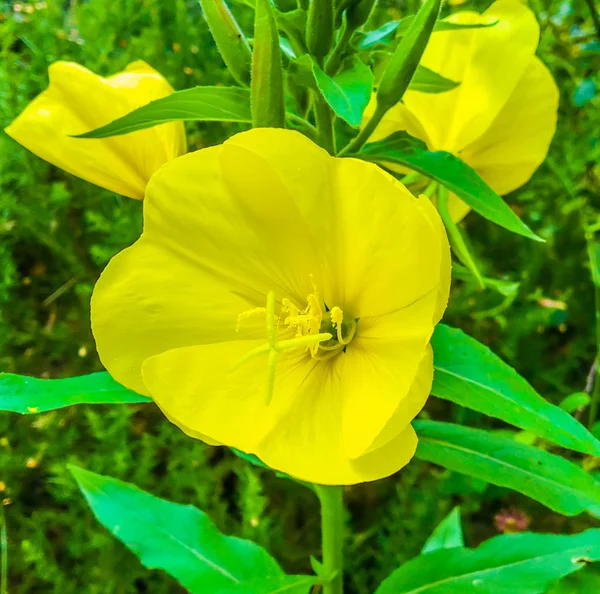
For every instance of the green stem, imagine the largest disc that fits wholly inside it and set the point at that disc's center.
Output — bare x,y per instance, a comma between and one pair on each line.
332,518
334,61
324,122
3,553
595,268
595,16
366,132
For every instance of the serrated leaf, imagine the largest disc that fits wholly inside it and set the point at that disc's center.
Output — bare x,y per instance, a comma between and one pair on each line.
349,92
471,375
183,541
523,563
426,80
447,535
222,104
450,172
30,395
553,481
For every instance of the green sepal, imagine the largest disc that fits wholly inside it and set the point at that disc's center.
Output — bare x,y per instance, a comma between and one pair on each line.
268,99
230,39
320,28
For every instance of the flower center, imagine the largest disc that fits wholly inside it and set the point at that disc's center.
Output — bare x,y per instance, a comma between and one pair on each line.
324,333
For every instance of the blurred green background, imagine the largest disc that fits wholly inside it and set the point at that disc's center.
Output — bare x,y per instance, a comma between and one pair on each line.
57,233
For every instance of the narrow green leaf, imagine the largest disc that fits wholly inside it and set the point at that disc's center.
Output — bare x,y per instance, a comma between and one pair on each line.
349,92
470,374
452,173
443,25
230,39
268,104
553,481
180,539
372,38
574,402
287,584
447,535
525,563
407,55
219,104
428,81
30,395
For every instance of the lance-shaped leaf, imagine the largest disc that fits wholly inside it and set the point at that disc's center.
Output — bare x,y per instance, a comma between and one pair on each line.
379,35
523,563
30,395
426,80
230,39
181,540
447,535
553,481
349,92
218,104
268,104
470,374
452,173
407,55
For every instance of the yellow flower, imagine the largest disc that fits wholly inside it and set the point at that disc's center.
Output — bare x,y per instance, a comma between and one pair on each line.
78,101
281,301
501,118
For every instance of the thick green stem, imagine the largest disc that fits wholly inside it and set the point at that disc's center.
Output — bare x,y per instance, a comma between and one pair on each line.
324,122
332,518
366,132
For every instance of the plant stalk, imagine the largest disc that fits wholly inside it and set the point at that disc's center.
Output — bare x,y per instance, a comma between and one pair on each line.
595,269
324,121
366,132
332,520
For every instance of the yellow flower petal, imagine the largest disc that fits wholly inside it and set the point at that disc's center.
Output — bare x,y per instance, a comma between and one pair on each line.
270,213
487,62
76,101
299,433
517,142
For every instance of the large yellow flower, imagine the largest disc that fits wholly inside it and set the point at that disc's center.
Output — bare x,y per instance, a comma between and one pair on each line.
281,301
502,116
78,101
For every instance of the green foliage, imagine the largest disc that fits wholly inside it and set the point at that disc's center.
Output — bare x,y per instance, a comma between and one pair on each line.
206,104
181,540
28,395
447,535
553,481
349,92
268,104
452,173
469,374
524,563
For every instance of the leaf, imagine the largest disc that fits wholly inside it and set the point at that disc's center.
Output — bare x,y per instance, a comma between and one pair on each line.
447,535
287,584
443,25
268,103
428,81
575,401
407,55
219,104
349,92
553,481
452,173
470,374
182,540
29,395
524,563
372,38
585,581
230,39
584,93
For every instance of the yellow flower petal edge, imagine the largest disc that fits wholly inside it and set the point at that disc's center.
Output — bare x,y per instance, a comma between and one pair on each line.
281,301
76,101
501,118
